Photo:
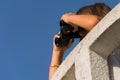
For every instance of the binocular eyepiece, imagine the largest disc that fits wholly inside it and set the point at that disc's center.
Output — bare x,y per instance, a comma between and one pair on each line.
66,33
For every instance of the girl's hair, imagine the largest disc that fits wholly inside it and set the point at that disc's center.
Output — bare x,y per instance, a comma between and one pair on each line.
98,9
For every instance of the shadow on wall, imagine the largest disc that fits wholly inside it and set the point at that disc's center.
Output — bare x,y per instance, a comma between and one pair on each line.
114,62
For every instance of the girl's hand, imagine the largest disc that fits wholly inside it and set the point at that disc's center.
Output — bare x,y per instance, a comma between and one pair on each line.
68,19
61,49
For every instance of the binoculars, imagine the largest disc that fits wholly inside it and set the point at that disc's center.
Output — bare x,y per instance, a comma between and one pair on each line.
66,33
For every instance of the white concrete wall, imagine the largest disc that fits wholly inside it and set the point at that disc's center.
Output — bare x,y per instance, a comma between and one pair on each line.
89,59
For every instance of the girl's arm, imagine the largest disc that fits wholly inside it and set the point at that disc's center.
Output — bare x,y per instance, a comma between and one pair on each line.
57,56
85,21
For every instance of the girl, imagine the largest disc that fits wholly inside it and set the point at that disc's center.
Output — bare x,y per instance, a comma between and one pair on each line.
86,17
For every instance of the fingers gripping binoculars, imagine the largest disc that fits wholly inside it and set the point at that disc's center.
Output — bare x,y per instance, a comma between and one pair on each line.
66,33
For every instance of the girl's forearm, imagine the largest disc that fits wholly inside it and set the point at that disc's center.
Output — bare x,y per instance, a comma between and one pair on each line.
85,21
57,57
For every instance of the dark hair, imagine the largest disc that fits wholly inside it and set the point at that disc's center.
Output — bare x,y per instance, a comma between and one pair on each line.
98,9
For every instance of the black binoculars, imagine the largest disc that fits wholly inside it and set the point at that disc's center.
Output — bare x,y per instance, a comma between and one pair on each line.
66,33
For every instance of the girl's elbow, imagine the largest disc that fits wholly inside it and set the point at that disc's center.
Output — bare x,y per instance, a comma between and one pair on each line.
92,23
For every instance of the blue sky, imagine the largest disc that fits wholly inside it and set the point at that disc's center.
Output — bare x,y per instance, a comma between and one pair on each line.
27,28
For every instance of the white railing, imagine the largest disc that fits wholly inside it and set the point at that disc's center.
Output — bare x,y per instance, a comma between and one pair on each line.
89,59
